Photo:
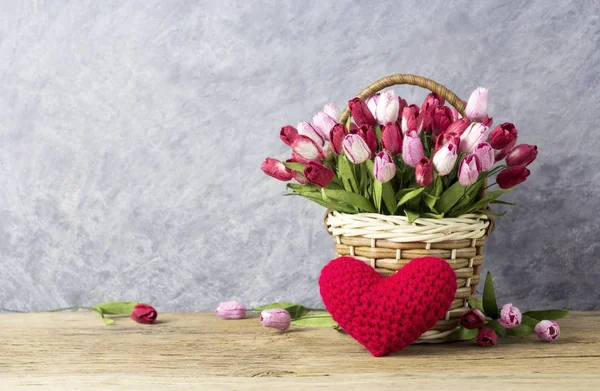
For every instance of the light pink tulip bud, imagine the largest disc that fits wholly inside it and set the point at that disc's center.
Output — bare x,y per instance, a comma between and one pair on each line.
477,105
356,148
445,158
372,104
276,169
306,150
475,134
522,155
276,318
485,153
409,122
384,167
547,330
510,316
231,310
387,107
332,110
412,149
469,170
324,122
307,129
424,172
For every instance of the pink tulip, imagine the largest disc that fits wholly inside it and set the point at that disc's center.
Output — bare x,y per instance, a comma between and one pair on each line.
336,137
288,134
475,134
486,337
459,126
522,155
415,109
402,103
318,174
276,169
372,103
424,172
469,170
384,168
510,316
503,135
477,105
424,121
306,150
276,318
332,110
360,112
485,153
547,330
391,138
432,100
409,121
307,129
356,149
368,134
445,138
387,107
324,122
231,310
412,149
445,158
512,176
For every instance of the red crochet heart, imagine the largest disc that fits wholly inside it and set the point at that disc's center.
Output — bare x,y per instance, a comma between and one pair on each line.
386,315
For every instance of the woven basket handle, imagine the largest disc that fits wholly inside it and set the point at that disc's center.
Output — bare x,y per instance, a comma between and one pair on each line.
402,78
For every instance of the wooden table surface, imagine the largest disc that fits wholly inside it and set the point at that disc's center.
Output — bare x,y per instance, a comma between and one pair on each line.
198,351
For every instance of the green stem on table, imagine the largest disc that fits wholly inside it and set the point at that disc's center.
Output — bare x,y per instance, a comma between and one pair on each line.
72,308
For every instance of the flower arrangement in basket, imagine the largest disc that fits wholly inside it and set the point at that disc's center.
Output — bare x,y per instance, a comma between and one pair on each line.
401,181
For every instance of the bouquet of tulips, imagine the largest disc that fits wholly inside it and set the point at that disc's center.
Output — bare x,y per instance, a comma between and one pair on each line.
393,158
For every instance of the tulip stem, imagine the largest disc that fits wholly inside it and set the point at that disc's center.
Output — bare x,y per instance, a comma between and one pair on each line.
72,308
488,186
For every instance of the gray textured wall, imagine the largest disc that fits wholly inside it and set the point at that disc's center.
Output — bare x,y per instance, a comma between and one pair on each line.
132,134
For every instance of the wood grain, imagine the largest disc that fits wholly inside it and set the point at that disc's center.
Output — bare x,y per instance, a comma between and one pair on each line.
185,350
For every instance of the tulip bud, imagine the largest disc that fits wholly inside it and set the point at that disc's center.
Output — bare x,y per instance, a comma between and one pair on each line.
441,118
144,313
402,103
356,148
336,137
368,134
512,176
469,170
445,158
391,138
372,103
424,122
522,155
412,149
424,172
384,168
477,105
387,107
547,330
332,110
318,174
415,109
360,112
276,169
432,100
501,154
231,310
472,319
409,121
276,318
476,133
510,316
487,121
288,134
485,153
459,126
306,150
324,122
486,337
307,129
503,135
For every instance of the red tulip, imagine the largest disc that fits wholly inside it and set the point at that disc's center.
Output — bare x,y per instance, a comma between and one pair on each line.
424,122
338,132
501,154
486,337
408,120
522,155
503,135
432,100
144,313
472,319
318,174
415,110
459,126
424,172
276,169
441,118
391,138
512,176
402,104
288,134
361,113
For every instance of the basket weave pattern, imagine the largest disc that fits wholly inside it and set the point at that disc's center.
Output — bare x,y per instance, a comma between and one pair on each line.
387,243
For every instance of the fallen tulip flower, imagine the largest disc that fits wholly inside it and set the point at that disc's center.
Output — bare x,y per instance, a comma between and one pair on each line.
510,316
230,310
276,318
144,313
547,330
472,319
486,337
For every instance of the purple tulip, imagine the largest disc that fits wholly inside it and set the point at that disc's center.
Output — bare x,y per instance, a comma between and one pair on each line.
547,330
231,310
412,149
384,168
485,153
276,318
356,149
477,105
510,316
469,170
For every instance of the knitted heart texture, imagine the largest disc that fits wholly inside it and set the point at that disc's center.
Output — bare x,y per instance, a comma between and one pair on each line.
386,315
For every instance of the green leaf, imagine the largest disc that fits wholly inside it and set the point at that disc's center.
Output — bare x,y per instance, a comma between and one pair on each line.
351,198
378,134
319,319
463,334
389,199
295,166
520,331
377,194
348,122
503,202
450,197
529,321
433,215
107,321
337,206
296,310
547,314
303,189
406,195
430,202
339,329
489,298
346,174
497,327
116,307
475,302
412,216
483,203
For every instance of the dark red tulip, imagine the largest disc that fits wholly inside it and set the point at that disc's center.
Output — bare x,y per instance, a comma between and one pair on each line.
318,174
415,109
503,135
288,134
472,319
336,137
501,154
459,126
424,122
487,337
522,155
361,113
512,176
441,117
424,172
402,104
144,313
276,169
391,138
432,100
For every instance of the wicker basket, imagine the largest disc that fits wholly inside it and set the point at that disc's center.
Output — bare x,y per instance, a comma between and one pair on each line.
387,243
